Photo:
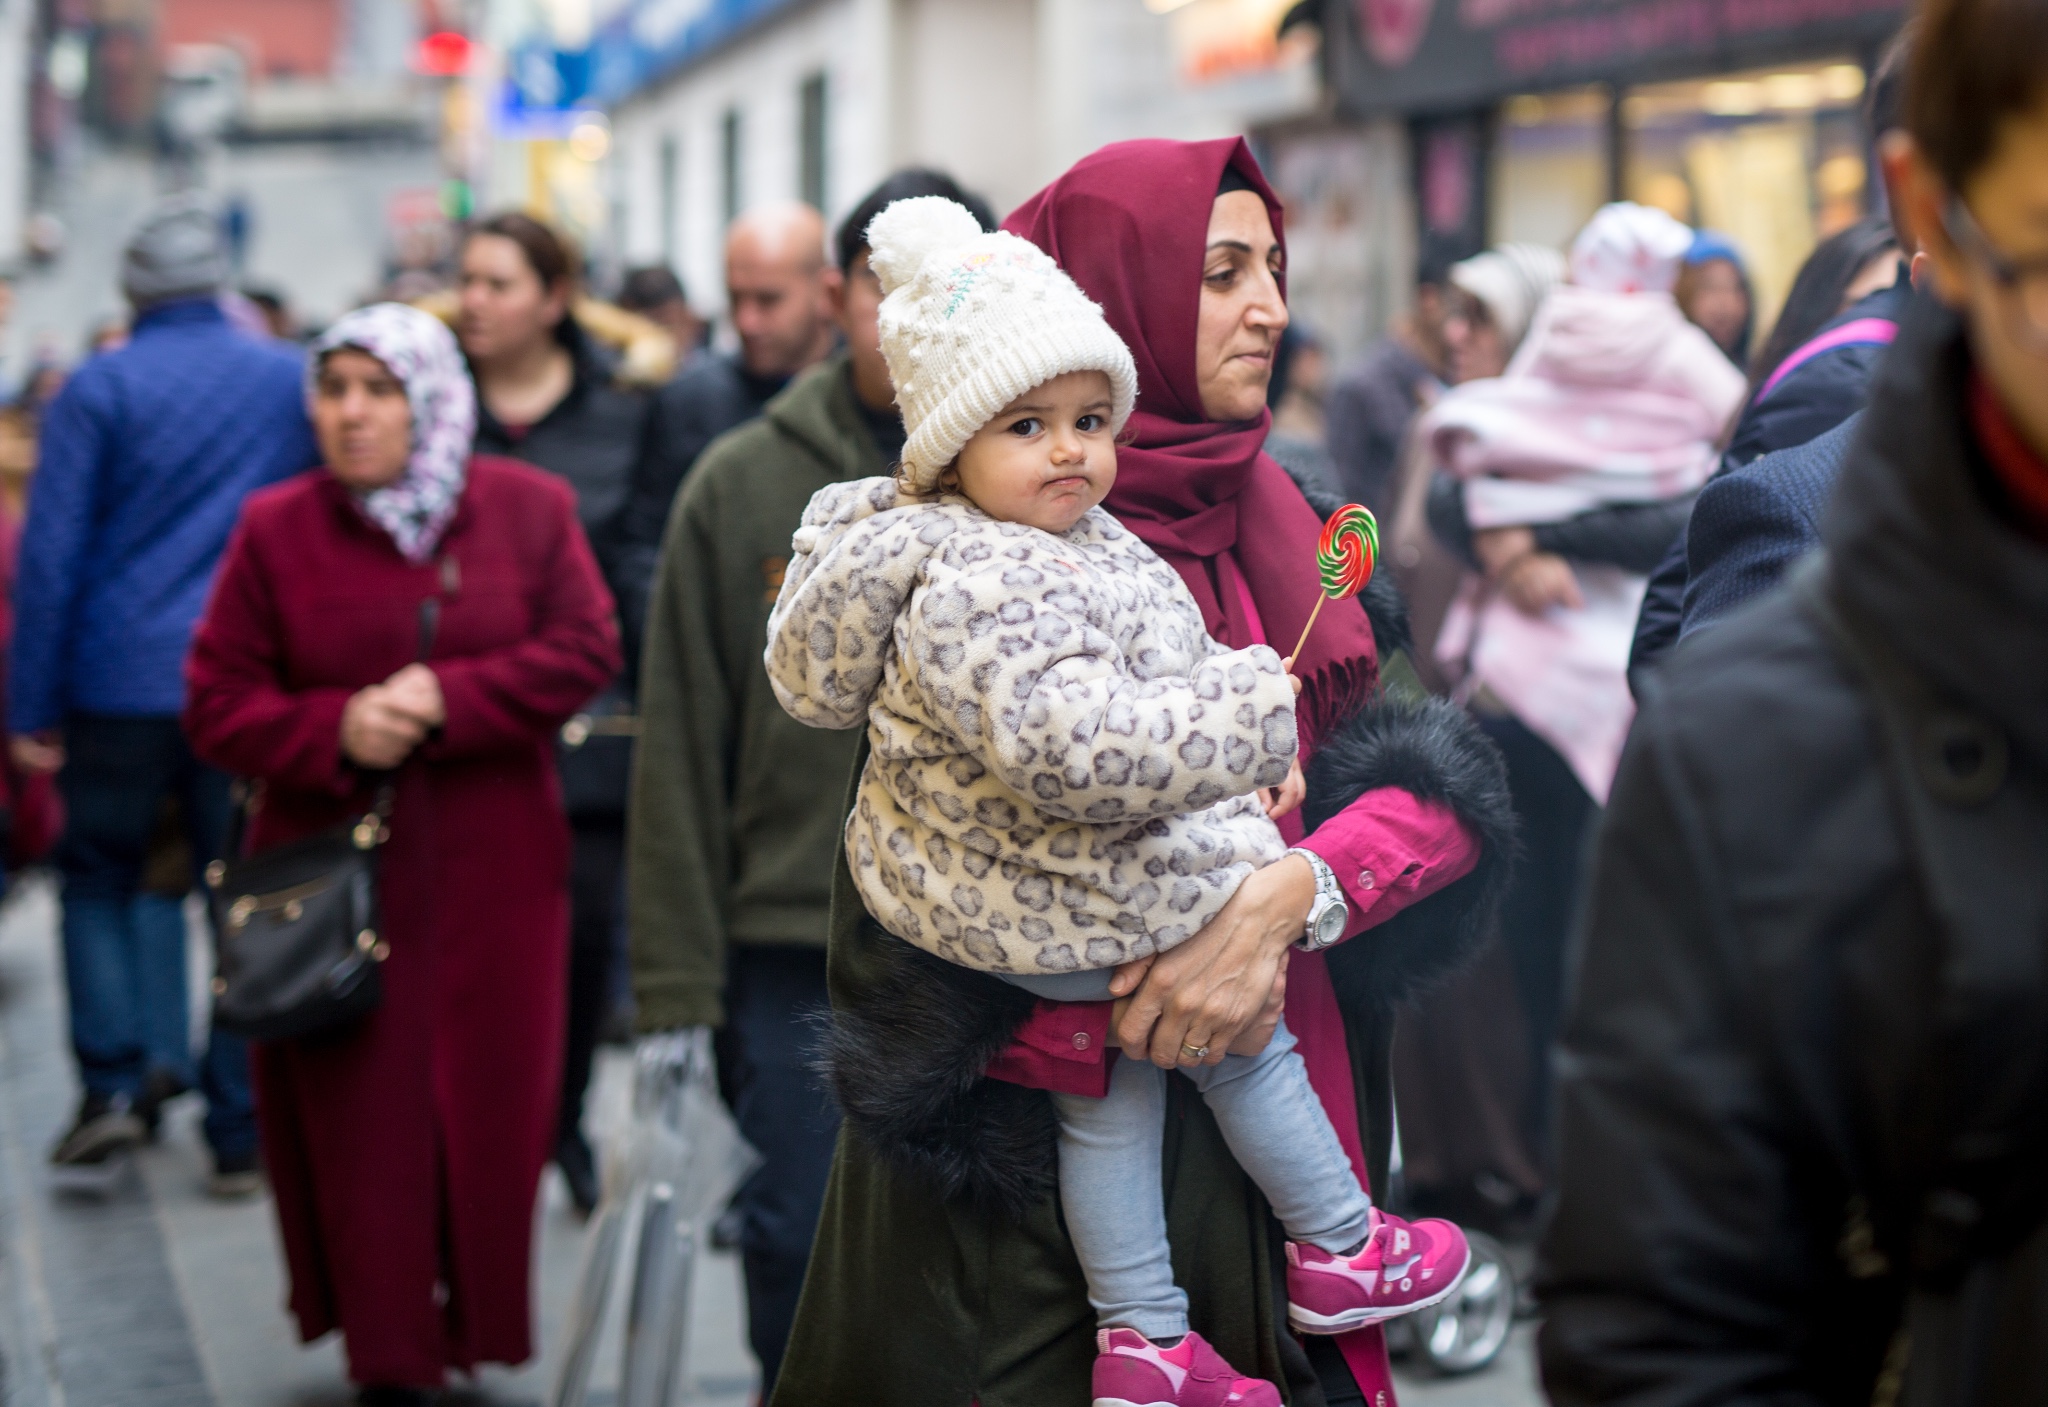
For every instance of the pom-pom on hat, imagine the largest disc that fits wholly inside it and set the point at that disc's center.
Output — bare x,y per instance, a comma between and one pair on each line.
971,321
1629,248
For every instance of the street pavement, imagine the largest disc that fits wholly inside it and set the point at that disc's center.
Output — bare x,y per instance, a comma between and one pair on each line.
158,1296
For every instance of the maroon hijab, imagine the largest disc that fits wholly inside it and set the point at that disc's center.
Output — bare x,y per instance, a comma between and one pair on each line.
1130,223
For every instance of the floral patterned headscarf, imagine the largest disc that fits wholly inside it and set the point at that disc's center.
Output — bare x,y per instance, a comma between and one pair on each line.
421,352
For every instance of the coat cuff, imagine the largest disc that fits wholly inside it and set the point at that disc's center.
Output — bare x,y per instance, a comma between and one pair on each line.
666,1003
1062,1047
1390,849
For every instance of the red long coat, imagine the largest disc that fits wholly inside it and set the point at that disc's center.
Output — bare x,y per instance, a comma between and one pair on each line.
406,1153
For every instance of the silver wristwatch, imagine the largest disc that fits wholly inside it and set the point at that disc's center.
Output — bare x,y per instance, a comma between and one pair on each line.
1328,915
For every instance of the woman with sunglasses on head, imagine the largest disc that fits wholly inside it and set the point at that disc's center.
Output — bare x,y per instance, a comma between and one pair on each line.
1803,1100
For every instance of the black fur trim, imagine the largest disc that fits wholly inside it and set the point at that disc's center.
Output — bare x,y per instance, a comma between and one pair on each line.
1321,497
1432,748
907,1067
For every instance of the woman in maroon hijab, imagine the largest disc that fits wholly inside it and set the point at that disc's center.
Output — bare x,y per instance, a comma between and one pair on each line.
942,1273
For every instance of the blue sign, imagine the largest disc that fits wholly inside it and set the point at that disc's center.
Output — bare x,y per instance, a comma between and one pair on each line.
546,91
650,39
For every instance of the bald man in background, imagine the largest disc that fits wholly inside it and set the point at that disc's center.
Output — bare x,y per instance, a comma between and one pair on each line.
779,286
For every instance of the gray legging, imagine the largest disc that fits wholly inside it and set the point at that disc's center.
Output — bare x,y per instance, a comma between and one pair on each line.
1110,1174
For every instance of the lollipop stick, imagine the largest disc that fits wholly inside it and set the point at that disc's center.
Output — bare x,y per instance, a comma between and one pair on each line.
1295,653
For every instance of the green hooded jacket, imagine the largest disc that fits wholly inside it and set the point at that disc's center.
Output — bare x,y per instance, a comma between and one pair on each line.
737,808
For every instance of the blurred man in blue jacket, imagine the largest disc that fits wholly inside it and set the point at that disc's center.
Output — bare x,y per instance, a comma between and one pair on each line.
146,457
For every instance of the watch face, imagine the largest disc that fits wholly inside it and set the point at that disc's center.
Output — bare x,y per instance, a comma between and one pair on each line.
1330,925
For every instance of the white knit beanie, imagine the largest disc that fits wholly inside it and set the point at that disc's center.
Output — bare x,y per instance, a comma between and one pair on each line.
971,321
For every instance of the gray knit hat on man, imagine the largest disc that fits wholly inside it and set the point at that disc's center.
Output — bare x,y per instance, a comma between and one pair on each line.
178,253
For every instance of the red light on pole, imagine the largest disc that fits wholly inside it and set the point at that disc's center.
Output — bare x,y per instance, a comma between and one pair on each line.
444,54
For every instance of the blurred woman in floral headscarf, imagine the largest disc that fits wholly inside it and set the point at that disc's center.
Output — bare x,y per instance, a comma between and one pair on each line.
414,615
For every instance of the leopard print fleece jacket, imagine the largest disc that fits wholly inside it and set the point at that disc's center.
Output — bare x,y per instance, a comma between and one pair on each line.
1063,761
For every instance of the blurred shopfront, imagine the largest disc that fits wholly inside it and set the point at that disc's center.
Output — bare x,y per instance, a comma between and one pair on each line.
1526,115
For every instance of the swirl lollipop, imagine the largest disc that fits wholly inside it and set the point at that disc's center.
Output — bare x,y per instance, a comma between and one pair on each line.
1345,558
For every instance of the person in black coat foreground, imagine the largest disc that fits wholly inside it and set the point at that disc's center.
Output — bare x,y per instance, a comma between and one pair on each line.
1804,1086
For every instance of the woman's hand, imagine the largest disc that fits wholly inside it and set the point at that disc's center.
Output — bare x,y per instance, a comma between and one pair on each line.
1218,986
1250,1041
416,690
377,732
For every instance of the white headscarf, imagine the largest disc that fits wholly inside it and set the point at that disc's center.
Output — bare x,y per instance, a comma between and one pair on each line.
420,351
1511,281
1630,248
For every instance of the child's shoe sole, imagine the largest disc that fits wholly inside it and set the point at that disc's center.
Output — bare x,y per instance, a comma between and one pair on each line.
1305,1321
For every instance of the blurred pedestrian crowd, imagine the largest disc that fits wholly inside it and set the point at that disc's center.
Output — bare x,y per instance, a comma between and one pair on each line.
1735,617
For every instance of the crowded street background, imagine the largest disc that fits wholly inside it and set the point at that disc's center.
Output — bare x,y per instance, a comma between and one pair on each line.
649,760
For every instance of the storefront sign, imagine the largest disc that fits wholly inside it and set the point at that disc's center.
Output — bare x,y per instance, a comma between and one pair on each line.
649,39
1419,55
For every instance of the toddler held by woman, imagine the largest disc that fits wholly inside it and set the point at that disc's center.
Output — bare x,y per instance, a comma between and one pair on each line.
1067,774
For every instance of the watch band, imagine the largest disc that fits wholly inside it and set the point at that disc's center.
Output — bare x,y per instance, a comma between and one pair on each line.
1329,895
1324,875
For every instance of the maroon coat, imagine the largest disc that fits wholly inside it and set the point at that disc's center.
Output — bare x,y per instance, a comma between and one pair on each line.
406,1152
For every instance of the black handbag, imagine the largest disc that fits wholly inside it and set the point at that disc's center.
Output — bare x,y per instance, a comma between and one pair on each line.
297,931
594,753
297,928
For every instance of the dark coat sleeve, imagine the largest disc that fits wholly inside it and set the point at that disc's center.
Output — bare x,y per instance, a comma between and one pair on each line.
680,851
1658,622
1675,1261
1632,536
683,418
1755,522
64,502
1744,535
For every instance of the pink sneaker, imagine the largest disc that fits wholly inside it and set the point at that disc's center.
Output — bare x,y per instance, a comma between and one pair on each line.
1132,1371
1405,1266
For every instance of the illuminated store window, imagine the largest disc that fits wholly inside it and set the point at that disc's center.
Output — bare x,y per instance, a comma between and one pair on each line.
1774,159
1550,167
